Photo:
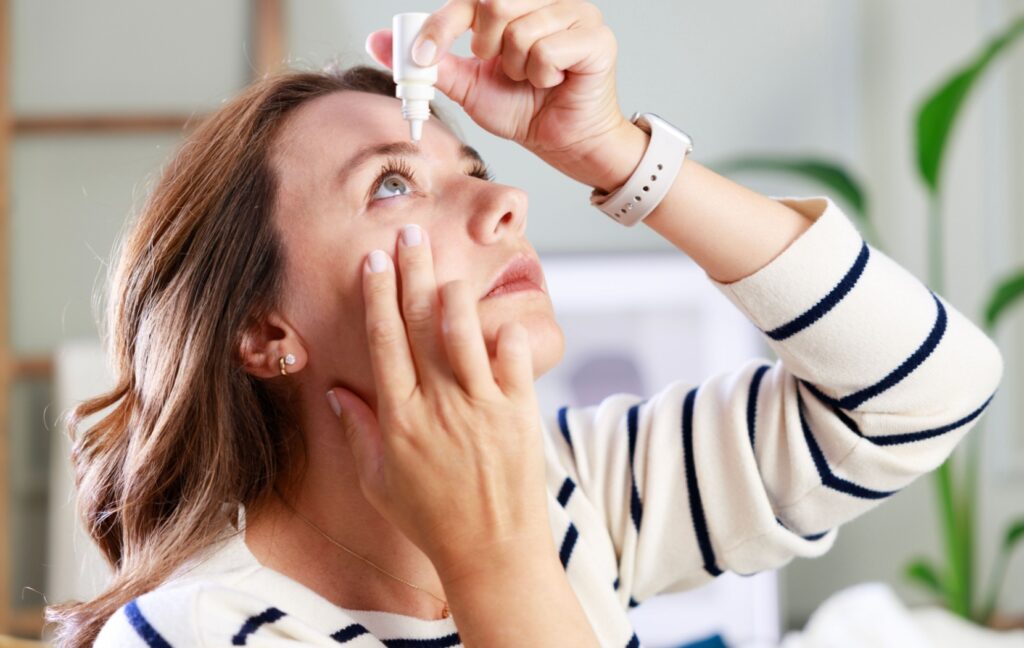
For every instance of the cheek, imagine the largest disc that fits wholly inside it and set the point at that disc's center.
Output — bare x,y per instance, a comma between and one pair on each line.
324,302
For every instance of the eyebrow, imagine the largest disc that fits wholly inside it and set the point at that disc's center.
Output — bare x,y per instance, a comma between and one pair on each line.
367,153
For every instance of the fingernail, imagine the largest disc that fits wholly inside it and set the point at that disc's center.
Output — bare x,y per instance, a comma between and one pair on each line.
366,46
423,52
335,405
378,261
411,235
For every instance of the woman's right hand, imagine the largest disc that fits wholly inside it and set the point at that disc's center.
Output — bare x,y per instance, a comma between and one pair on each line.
453,453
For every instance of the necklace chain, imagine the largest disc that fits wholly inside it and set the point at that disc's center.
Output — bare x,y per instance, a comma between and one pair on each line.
444,611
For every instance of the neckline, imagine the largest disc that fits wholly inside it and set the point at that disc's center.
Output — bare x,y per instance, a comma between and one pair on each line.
388,622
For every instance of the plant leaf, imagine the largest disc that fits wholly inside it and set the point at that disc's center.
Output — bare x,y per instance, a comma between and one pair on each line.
922,572
936,116
830,174
1005,294
1014,534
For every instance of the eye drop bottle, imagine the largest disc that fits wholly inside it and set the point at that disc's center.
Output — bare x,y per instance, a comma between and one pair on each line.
415,83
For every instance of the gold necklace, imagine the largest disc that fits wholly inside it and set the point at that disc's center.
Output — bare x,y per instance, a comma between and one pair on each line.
444,610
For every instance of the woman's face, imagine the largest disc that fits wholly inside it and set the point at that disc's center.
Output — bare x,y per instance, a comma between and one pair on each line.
332,213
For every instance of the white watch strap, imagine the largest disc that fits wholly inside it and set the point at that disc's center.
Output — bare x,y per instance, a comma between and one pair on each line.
634,200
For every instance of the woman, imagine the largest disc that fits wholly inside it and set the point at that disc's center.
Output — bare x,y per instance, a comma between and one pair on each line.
298,245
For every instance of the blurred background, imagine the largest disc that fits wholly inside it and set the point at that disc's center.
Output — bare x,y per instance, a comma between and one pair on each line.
95,96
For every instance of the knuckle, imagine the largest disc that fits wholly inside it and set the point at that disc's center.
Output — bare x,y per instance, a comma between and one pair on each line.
593,13
437,26
516,36
377,287
498,9
383,333
418,310
543,51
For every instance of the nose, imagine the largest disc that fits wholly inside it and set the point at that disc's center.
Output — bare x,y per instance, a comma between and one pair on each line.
499,211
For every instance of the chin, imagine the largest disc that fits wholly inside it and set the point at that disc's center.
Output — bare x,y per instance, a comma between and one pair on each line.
547,341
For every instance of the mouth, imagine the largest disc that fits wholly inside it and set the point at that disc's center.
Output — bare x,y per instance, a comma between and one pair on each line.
522,273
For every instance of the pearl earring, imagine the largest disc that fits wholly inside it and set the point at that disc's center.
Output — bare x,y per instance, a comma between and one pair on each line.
283,360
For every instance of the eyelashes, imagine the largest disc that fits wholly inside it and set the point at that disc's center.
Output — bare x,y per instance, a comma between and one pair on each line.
400,167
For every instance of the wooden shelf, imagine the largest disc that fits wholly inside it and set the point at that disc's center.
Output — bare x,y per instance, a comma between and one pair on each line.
104,124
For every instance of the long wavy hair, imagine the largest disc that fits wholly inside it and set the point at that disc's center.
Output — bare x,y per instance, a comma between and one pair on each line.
190,434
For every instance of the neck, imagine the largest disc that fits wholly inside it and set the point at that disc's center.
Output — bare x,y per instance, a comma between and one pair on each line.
329,495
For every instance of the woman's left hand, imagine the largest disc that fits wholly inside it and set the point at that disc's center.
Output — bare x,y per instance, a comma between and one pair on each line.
543,76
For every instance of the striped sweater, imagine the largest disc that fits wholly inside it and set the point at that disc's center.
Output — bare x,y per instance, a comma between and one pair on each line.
877,380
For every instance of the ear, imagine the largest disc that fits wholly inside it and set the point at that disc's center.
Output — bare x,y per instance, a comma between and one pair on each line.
266,343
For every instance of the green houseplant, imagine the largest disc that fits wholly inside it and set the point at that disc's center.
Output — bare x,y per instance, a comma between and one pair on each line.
951,580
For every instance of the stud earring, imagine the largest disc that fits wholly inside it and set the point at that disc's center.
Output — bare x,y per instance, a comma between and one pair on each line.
283,360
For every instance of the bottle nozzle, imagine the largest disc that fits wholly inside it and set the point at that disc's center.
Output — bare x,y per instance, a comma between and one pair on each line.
414,84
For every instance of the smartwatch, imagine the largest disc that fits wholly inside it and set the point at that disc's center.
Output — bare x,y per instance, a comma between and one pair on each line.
634,200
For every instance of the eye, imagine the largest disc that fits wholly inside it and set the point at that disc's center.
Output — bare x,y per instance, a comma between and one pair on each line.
394,176
391,185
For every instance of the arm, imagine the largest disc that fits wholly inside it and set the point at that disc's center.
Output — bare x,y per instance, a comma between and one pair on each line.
729,230
878,380
517,598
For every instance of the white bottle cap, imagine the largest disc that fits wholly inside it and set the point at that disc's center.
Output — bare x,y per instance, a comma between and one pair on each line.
414,83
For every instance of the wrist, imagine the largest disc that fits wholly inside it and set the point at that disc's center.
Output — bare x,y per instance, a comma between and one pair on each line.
469,569
606,161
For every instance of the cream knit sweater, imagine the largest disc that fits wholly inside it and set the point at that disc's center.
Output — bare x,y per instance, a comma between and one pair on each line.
877,380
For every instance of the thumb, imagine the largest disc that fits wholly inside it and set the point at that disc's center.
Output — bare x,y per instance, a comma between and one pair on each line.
455,74
361,430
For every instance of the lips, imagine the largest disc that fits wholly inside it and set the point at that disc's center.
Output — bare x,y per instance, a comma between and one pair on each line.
522,267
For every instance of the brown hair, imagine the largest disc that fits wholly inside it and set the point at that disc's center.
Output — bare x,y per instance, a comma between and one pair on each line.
191,434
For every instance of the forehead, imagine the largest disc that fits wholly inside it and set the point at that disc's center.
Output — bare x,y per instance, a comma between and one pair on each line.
335,125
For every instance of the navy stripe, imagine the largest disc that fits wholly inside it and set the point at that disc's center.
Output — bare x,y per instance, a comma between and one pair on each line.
634,642
832,404
813,536
563,425
253,623
829,302
142,627
909,365
696,508
828,478
437,642
909,437
349,632
902,437
565,492
755,384
852,401
636,508
633,602
615,585
568,543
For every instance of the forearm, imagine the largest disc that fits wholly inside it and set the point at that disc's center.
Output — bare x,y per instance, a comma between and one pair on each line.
728,229
521,599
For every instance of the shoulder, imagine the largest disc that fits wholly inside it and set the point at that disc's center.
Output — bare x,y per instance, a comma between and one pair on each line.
161,617
181,614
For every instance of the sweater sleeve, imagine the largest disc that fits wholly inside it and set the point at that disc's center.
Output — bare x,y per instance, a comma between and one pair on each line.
877,379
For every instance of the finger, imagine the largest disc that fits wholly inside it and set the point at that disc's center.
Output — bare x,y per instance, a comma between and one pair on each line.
363,434
464,340
394,374
491,19
514,369
575,50
524,31
378,46
441,29
421,306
